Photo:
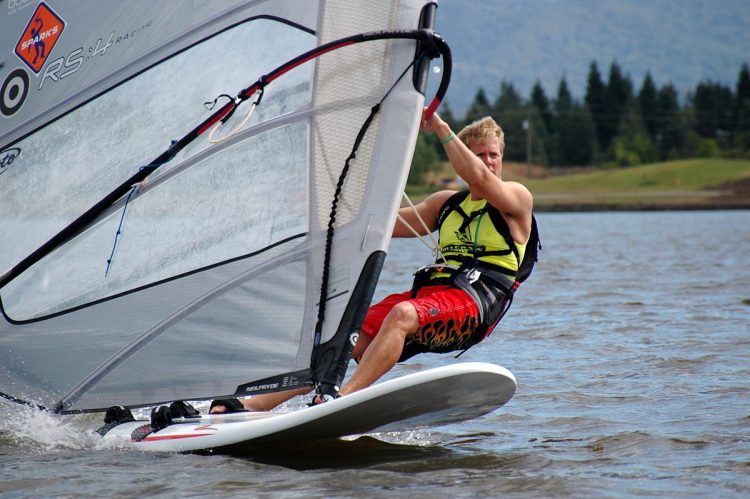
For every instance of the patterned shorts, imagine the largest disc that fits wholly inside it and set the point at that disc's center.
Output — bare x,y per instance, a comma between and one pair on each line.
448,318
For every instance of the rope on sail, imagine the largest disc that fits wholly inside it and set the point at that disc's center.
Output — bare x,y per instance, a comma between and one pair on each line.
119,229
237,128
118,233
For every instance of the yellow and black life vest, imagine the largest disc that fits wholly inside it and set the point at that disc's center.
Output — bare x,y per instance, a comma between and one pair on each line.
483,259
474,233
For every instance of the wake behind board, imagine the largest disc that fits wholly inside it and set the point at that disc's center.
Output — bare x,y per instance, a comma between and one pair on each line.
429,398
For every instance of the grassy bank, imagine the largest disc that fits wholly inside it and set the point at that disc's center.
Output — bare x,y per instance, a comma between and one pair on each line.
695,183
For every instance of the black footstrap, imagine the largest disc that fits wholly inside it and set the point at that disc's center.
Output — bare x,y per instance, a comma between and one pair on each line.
115,415
231,405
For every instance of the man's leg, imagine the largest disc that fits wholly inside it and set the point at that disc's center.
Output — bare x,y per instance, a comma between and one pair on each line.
268,401
382,353
264,402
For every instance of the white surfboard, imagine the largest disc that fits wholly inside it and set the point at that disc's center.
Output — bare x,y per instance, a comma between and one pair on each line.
428,398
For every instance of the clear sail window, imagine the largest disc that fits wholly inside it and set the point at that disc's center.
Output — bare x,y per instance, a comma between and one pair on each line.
210,204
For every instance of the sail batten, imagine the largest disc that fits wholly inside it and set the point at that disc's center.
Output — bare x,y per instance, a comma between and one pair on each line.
205,277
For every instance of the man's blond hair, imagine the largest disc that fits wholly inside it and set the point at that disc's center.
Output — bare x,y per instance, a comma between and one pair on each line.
481,130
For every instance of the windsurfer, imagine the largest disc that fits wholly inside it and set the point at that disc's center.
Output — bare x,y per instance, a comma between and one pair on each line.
454,304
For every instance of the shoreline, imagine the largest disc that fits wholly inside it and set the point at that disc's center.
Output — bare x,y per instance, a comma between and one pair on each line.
594,207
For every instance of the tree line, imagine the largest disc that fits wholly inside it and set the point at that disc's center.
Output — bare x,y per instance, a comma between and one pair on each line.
613,126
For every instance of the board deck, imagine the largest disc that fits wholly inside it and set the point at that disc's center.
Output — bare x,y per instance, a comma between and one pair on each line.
433,397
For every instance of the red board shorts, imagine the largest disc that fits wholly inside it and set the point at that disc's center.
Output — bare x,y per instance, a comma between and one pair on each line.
448,317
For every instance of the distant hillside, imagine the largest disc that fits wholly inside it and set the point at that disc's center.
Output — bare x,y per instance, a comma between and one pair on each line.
681,42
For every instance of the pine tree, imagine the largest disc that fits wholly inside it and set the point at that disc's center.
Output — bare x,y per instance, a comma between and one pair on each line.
446,113
671,137
541,103
574,133
618,99
424,160
479,108
648,107
632,146
742,98
536,133
741,132
581,137
713,104
540,118
595,95
509,111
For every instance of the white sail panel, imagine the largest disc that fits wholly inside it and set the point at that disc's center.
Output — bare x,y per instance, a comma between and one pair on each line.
65,167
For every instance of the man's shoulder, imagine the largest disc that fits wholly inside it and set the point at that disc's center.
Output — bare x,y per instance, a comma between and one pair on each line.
518,186
442,196
438,199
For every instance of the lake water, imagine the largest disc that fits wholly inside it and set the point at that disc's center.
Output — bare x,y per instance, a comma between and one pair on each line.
631,346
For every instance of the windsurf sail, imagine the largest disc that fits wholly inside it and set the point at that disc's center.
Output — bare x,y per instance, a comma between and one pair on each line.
158,240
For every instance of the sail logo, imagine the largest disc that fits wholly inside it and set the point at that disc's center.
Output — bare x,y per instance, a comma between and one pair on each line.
268,386
16,5
13,91
7,157
39,37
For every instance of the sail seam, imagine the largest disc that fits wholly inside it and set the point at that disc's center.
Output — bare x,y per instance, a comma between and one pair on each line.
157,329
147,286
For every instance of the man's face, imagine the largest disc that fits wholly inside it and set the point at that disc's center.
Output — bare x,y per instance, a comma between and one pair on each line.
489,152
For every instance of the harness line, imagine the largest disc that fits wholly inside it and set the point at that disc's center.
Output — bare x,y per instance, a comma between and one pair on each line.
434,248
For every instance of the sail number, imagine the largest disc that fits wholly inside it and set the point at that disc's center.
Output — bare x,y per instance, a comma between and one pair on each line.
66,66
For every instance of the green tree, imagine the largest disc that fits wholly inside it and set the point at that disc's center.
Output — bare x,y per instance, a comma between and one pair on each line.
742,100
479,108
632,146
508,100
741,131
563,115
541,103
574,137
582,134
647,98
539,118
510,112
671,135
713,107
618,99
425,159
595,101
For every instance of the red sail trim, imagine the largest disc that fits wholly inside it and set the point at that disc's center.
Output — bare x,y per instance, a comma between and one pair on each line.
215,118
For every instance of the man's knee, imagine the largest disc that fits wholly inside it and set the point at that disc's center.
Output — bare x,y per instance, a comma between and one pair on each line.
404,318
363,341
